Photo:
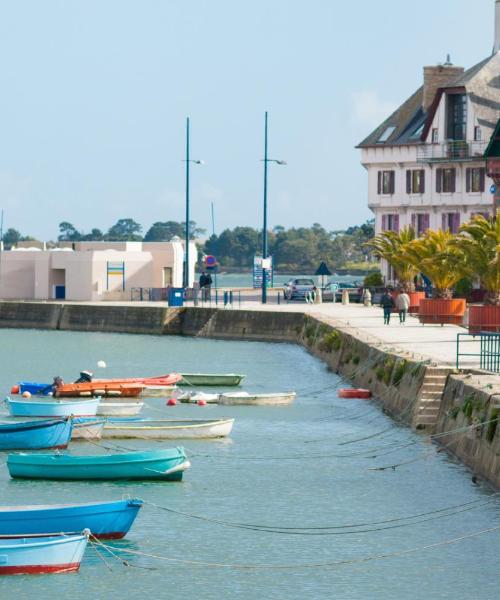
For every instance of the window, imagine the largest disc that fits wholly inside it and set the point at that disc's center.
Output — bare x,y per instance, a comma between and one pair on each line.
475,180
386,182
450,222
386,134
390,223
415,181
417,134
435,136
445,181
477,134
457,117
420,222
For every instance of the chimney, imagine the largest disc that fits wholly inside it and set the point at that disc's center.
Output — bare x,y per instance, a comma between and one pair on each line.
438,77
496,47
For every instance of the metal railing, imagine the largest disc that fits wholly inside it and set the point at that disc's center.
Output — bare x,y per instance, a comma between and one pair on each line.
489,350
205,297
451,151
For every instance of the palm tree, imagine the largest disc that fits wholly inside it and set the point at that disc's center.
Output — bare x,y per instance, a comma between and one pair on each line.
391,246
435,255
479,240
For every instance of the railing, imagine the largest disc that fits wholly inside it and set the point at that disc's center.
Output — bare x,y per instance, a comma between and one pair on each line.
206,297
451,151
489,350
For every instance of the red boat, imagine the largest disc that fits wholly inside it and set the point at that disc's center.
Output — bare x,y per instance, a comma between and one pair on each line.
354,393
162,380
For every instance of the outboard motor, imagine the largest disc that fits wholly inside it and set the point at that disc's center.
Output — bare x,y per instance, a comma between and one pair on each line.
56,384
85,377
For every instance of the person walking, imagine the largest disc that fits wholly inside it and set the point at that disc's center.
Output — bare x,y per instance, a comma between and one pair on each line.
205,285
403,304
387,303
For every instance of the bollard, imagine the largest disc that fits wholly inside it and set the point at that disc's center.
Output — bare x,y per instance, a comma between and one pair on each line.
345,296
367,297
318,296
231,297
225,297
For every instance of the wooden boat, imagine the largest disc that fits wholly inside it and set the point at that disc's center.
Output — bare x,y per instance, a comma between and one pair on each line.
162,391
97,388
119,409
87,428
354,393
168,429
42,554
192,397
53,408
167,464
257,399
222,380
160,381
105,520
32,435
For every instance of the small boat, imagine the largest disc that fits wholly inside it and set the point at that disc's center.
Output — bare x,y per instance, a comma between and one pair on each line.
32,554
168,429
167,464
105,520
32,435
53,408
257,399
97,388
36,389
158,390
222,380
163,381
87,428
192,397
354,393
119,409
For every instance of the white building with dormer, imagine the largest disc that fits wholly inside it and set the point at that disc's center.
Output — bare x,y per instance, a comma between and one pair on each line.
425,162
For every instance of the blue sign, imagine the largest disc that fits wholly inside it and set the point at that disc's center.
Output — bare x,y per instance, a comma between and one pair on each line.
493,189
257,272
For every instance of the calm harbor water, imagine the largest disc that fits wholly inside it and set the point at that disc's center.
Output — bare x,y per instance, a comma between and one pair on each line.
245,279
312,473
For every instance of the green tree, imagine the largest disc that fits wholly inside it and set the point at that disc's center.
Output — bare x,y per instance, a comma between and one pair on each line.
68,233
124,230
11,237
96,235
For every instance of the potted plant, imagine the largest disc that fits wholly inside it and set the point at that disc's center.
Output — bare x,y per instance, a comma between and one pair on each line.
390,246
435,255
479,240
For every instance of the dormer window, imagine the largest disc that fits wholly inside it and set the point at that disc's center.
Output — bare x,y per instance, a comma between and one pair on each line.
386,134
457,117
435,135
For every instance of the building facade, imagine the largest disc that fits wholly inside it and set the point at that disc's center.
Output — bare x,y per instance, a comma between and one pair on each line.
425,163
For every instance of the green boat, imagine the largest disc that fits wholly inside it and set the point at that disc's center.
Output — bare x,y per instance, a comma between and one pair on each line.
213,379
166,464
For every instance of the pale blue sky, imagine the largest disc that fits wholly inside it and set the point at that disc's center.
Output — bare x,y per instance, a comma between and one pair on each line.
95,94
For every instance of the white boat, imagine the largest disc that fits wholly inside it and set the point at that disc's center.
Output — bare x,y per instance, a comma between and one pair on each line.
194,397
119,409
163,391
168,429
257,399
87,429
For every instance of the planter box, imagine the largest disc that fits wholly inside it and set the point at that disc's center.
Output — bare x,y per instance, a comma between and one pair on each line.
440,311
484,318
415,298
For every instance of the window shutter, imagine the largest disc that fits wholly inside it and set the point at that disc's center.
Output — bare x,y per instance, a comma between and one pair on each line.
379,183
439,180
393,182
482,177
444,221
426,221
384,222
395,220
408,182
414,222
456,222
468,176
422,181
453,181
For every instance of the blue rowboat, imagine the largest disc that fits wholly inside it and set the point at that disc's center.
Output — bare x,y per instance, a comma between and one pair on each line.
54,433
53,408
167,464
87,428
42,554
106,520
37,389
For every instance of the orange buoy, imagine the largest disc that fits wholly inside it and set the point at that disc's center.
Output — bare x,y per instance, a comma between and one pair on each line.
14,389
354,393
171,402
201,402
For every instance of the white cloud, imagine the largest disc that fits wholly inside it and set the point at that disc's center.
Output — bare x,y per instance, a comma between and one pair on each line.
369,109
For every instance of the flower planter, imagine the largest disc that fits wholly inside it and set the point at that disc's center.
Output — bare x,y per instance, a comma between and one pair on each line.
415,298
441,311
484,318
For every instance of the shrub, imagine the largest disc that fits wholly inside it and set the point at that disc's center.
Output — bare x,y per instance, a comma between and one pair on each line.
374,279
331,341
399,372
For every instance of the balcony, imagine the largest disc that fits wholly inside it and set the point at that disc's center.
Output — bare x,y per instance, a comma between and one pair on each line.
452,151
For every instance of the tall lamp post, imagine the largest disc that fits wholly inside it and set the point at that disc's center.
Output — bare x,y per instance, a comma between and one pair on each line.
187,233
264,228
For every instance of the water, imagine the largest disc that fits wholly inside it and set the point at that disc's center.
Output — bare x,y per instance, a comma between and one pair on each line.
315,489
232,280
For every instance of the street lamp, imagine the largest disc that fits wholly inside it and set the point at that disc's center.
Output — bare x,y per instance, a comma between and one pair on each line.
266,160
186,251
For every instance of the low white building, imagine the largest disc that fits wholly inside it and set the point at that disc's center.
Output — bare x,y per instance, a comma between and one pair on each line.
92,270
425,162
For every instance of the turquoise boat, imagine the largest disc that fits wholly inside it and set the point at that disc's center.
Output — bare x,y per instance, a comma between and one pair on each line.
166,464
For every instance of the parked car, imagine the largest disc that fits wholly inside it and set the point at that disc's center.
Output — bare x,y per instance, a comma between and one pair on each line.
296,289
332,292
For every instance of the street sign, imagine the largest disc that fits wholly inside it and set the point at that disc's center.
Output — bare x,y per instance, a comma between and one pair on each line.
257,271
210,261
493,189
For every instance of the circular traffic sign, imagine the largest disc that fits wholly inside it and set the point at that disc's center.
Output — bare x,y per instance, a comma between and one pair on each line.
210,261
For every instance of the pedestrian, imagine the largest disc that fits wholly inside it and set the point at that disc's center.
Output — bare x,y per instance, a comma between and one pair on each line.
205,285
387,303
403,304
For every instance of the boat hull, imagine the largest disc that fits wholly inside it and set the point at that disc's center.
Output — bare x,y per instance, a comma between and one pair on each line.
105,520
87,429
257,399
119,409
166,464
359,393
47,554
35,435
168,430
101,389
222,380
83,408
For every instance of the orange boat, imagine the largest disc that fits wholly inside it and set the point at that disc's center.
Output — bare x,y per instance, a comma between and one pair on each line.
354,393
99,388
162,380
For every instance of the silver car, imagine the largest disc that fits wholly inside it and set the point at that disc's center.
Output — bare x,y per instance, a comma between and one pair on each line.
296,289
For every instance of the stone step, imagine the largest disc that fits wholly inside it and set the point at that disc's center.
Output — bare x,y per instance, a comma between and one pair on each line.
431,396
434,384
428,410
425,421
429,403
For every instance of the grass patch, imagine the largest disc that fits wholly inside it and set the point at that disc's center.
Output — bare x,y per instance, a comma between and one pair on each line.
399,372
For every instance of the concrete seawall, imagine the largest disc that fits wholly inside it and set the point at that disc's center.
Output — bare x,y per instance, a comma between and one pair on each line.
419,394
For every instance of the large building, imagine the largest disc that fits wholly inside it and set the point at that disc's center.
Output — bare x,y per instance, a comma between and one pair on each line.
425,162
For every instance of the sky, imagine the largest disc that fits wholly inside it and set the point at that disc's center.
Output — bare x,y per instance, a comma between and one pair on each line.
95,94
